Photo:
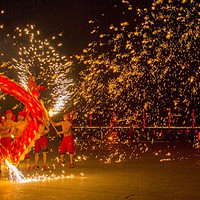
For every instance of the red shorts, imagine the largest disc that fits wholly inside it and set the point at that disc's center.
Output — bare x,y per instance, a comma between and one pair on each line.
67,144
41,144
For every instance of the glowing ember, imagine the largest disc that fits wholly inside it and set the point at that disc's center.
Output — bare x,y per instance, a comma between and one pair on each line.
136,66
16,176
36,56
51,113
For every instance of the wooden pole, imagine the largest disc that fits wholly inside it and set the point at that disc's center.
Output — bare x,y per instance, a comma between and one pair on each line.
169,115
192,118
90,120
136,119
144,115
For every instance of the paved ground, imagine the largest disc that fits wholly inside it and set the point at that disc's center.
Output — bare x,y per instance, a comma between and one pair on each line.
143,171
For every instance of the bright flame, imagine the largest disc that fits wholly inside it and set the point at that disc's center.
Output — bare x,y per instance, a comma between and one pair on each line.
110,138
51,113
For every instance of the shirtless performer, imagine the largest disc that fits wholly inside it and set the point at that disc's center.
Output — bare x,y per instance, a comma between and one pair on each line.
67,142
5,128
17,130
41,144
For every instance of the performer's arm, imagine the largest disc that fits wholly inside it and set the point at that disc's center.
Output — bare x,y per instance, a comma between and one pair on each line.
5,133
52,123
55,124
47,128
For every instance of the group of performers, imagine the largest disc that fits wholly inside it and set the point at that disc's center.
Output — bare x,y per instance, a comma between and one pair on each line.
10,129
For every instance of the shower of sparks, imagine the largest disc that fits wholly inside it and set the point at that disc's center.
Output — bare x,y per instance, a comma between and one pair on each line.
16,176
34,56
61,91
150,63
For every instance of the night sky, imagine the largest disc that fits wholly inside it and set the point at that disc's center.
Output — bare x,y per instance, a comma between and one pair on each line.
69,22
70,17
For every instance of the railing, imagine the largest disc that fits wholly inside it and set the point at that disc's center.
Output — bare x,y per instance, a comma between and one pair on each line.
143,119
123,133
128,127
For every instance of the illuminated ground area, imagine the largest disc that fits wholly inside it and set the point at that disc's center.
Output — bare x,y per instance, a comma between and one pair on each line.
164,171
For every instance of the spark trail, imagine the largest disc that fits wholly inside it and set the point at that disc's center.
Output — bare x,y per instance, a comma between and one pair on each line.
33,55
152,64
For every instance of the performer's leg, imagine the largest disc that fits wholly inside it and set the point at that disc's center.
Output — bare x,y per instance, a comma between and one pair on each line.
62,158
37,159
45,158
28,162
71,156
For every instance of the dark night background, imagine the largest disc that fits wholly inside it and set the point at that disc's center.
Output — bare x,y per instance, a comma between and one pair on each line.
70,17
